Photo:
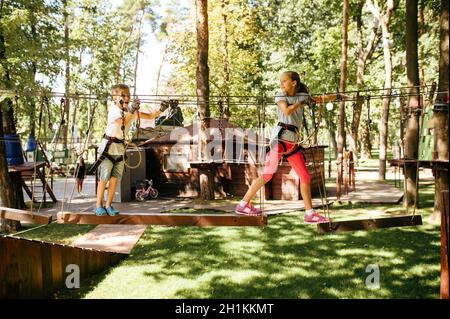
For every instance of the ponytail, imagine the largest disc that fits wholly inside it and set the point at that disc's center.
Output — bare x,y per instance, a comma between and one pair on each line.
301,87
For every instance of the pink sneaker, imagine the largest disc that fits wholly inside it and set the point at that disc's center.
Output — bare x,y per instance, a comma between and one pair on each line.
248,210
315,218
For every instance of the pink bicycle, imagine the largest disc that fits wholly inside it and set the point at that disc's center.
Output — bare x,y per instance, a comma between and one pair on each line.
145,191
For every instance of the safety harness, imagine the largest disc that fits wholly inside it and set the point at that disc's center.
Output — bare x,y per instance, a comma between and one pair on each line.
110,139
277,140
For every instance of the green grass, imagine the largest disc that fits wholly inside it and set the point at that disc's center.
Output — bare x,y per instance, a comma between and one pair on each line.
57,233
286,259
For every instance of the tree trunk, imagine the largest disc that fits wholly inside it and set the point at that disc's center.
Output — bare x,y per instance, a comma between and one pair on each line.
334,147
366,152
138,47
203,90
402,127
441,107
412,125
384,18
33,79
67,73
226,62
158,74
387,99
366,142
8,192
364,54
421,50
342,85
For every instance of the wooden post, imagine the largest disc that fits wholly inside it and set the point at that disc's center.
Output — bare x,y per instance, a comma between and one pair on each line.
345,173
206,176
352,172
342,85
445,245
329,168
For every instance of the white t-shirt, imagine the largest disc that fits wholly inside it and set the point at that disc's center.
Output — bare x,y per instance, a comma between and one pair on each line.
147,109
114,129
296,118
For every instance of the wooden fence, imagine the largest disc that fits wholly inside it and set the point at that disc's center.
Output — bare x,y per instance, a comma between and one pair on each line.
36,269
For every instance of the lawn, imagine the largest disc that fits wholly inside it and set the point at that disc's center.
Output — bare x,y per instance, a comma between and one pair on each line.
286,259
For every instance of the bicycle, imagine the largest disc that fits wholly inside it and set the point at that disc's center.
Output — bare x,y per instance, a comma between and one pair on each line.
145,192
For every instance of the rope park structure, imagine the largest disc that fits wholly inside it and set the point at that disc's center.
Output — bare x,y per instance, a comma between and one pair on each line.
259,103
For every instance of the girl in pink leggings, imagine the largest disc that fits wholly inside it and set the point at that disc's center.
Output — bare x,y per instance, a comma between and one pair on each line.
290,101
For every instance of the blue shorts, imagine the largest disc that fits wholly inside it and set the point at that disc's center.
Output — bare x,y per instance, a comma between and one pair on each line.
107,169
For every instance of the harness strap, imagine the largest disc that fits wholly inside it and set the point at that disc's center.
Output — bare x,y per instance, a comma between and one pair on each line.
300,149
106,155
278,140
288,127
112,140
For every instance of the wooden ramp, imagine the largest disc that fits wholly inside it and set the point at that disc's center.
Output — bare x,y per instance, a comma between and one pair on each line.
368,224
112,238
36,269
24,216
202,220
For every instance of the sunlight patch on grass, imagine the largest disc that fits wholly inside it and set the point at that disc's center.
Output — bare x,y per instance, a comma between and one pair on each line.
360,251
422,270
58,233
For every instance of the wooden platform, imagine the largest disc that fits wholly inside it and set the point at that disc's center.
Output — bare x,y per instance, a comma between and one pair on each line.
24,216
371,192
113,238
368,224
441,165
26,171
202,220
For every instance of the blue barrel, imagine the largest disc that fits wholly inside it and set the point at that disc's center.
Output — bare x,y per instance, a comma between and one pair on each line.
31,144
13,147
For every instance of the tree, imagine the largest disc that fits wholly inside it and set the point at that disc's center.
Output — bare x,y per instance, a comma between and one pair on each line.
226,63
66,17
8,195
384,19
206,180
412,126
441,106
364,54
342,87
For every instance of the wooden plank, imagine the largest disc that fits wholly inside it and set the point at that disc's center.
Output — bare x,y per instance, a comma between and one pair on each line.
439,165
57,271
46,257
368,224
27,166
24,216
164,219
445,246
33,269
112,238
9,269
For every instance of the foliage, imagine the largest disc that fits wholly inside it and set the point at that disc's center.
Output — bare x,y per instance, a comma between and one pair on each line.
265,37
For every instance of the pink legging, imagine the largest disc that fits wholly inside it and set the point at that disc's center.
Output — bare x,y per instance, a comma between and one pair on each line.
297,163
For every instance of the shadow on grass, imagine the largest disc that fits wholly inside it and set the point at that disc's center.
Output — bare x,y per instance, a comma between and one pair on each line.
286,259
